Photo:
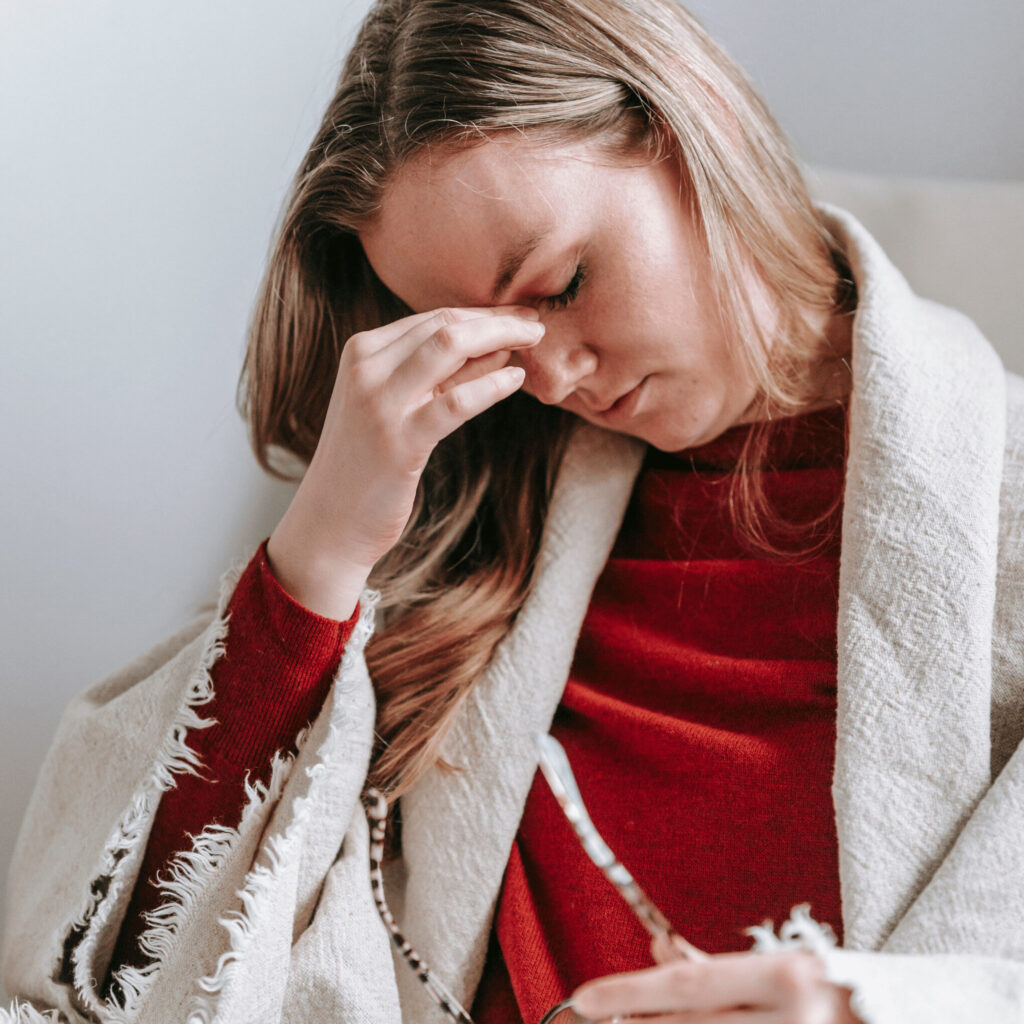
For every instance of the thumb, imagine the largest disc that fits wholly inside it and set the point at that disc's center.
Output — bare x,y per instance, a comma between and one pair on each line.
668,947
663,950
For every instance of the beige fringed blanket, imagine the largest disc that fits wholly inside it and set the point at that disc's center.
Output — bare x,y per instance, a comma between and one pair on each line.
275,922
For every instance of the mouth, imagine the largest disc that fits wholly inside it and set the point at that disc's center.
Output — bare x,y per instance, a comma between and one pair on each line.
625,405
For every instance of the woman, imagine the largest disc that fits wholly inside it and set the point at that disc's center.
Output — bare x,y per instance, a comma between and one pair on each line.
586,202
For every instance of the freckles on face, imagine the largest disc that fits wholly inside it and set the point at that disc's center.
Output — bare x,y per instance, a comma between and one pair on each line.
510,222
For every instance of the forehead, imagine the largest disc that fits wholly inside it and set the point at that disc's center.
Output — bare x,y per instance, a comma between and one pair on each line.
447,219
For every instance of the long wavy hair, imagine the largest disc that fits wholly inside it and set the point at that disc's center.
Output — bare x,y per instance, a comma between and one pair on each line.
634,76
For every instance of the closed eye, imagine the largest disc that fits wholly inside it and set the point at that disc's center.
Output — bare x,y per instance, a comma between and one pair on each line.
571,289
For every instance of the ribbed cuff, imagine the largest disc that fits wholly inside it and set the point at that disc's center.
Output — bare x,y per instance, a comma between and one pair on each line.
279,662
295,627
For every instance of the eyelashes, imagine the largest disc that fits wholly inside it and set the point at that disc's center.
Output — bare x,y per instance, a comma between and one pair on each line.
572,289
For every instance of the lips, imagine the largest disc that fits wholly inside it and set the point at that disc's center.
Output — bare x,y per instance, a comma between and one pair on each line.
625,404
621,401
608,406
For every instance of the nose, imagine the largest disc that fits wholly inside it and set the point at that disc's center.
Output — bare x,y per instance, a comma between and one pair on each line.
555,366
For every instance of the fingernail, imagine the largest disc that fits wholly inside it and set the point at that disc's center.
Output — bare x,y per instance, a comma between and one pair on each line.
528,311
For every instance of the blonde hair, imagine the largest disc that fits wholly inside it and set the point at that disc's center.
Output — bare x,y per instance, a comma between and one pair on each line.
636,76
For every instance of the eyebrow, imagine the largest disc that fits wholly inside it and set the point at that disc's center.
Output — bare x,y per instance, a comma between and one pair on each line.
512,262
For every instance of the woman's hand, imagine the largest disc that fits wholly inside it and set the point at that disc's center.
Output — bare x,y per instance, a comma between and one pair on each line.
730,988
399,390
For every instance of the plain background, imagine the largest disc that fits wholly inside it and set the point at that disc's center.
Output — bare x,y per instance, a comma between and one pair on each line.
146,148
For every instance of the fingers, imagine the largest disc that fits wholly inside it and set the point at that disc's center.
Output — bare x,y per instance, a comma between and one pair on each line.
379,338
438,370
428,354
716,1017
452,407
719,983
474,368
828,1005
666,948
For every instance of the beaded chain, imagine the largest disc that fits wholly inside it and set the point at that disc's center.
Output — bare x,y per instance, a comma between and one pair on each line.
377,814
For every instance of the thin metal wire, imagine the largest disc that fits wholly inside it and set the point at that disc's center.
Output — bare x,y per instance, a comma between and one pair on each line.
555,765
549,1017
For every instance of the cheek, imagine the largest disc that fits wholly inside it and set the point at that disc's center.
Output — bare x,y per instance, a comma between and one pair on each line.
661,310
631,322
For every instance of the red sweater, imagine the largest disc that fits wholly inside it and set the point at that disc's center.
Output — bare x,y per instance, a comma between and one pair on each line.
699,718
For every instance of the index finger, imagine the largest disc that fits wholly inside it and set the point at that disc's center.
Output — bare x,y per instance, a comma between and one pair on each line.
723,982
387,333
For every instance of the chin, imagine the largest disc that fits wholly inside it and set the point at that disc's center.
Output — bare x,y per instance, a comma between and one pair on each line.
675,440
700,433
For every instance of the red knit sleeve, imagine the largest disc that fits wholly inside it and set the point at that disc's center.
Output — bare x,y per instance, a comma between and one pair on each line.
276,670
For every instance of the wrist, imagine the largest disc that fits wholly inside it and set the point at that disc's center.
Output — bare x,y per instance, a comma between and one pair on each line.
316,577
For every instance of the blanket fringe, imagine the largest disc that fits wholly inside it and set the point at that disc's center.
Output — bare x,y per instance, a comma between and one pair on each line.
184,883
174,757
801,931
240,926
190,872
25,1013
243,925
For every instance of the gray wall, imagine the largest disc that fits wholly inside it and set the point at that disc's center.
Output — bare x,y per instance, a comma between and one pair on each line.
146,148
908,87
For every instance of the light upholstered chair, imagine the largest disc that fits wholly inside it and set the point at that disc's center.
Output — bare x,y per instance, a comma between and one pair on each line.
959,243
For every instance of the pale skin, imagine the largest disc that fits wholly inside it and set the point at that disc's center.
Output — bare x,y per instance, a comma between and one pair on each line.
608,315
